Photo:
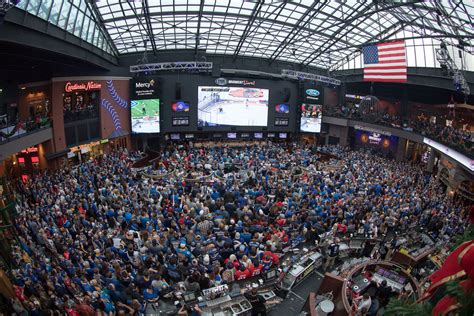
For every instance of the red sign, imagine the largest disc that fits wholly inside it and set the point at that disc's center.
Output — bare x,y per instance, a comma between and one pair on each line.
83,86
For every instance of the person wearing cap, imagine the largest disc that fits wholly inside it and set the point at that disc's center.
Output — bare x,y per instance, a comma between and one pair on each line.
332,253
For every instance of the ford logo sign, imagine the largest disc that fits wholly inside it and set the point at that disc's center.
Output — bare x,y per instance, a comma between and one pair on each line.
221,81
312,92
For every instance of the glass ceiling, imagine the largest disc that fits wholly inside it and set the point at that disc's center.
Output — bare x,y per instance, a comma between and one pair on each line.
316,33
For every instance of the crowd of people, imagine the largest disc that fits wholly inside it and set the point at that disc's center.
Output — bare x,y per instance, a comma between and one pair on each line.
462,140
104,237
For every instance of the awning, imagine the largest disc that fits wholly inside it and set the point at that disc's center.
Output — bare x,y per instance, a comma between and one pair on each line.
57,155
117,134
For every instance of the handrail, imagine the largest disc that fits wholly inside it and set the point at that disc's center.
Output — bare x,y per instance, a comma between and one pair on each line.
5,140
345,300
367,119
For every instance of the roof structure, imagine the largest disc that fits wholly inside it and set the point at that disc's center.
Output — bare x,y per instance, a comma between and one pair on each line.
323,34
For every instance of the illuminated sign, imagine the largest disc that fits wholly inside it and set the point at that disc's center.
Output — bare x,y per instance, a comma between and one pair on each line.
145,88
464,160
85,147
312,92
223,81
83,86
242,82
148,84
29,150
374,138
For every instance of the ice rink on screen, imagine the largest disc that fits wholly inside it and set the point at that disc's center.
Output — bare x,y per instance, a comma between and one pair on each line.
236,113
310,124
147,125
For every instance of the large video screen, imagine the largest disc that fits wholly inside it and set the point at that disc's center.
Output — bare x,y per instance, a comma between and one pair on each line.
232,106
311,115
145,116
379,143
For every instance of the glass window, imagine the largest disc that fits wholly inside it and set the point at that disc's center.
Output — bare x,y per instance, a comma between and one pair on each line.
22,5
33,6
64,14
85,28
44,9
55,11
78,26
72,19
411,59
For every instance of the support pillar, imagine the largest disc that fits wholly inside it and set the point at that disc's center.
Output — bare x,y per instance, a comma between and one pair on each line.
400,156
343,136
431,161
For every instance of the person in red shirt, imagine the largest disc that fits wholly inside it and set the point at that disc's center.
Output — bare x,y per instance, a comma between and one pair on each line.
274,256
242,273
255,268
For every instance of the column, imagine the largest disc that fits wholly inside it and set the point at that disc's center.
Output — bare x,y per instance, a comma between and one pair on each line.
400,156
344,134
431,161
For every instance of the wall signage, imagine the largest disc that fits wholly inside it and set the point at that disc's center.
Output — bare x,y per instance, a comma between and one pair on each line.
83,86
221,81
145,88
312,92
224,81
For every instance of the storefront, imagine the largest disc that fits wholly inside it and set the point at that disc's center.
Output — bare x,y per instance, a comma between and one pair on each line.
88,151
27,162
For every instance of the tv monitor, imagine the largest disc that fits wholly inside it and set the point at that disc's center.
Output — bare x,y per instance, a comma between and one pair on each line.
217,135
188,136
271,135
311,115
282,121
283,135
145,116
232,106
258,135
271,274
174,136
282,108
180,106
232,135
245,135
180,121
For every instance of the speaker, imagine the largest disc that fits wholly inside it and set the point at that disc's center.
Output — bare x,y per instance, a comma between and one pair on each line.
177,91
286,95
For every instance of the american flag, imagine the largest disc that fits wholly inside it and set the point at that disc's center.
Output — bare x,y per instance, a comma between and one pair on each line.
385,62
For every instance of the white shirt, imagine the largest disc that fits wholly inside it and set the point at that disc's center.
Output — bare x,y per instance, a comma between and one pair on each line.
364,303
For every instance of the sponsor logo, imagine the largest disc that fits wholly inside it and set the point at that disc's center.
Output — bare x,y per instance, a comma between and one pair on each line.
375,138
312,92
243,82
221,81
83,86
147,85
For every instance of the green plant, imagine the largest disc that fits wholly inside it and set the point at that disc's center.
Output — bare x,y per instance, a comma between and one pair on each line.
397,307
467,236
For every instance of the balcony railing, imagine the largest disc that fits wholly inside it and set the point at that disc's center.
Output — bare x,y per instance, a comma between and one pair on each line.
459,140
21,129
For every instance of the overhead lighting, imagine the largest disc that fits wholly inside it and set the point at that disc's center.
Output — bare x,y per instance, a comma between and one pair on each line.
23,88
